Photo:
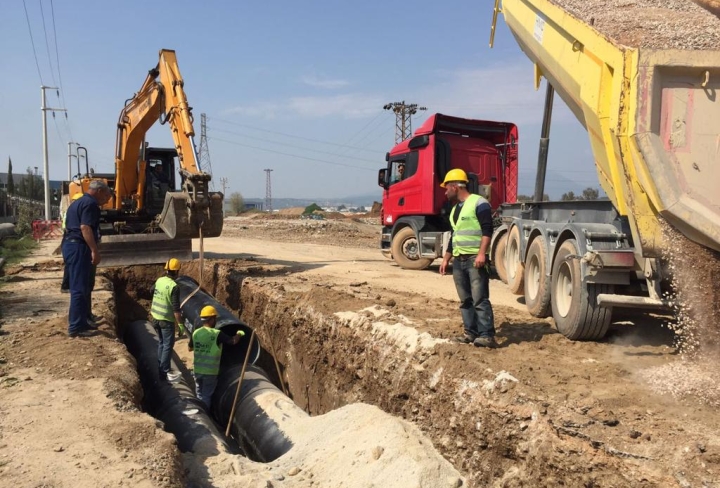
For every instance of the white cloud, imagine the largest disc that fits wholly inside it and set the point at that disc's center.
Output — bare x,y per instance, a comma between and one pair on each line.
347,106
499,92
330,84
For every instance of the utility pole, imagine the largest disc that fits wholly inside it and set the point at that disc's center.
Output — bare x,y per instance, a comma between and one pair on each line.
223,182
70,156
46,166
403,118
268,191
204,152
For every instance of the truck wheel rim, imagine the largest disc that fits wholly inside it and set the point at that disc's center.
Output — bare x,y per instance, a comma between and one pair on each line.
513,259
533,284
410,249
563,290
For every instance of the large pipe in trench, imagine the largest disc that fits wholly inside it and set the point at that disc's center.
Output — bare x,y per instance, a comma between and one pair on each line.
175,403
262,408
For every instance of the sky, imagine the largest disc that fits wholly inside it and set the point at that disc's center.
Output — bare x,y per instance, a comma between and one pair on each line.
297,87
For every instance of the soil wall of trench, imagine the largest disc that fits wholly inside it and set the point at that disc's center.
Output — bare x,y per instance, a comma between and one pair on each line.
336,348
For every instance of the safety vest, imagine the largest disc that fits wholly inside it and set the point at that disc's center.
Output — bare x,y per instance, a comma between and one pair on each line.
161,308
467,233
63,215
207,355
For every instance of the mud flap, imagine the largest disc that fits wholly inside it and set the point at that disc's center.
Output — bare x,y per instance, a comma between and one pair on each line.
131,249
180,221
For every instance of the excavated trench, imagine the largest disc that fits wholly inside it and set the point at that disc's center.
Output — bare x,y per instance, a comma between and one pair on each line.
335,349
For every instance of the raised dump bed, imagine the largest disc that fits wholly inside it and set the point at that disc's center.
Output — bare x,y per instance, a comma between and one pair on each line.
643,77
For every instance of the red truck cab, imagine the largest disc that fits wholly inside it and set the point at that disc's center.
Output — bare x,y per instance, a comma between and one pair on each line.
414,208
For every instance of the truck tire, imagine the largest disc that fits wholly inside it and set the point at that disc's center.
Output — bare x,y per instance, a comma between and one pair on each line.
498,258
406,250
574,304
537,279
514,263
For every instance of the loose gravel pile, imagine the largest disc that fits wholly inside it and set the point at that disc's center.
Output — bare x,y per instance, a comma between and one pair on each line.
651,24
696,302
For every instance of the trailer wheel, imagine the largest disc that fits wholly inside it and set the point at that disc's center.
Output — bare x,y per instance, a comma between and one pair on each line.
498,258
537,279
513,262
574,305
406,250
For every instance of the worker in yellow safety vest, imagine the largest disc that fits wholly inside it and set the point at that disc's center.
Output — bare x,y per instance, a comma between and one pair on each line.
165,311
207,345
472,225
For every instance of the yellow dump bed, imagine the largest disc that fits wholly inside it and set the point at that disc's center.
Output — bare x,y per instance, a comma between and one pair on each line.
643,77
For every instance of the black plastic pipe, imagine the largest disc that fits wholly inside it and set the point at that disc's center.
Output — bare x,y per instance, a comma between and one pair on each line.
261,406
226,321
174,403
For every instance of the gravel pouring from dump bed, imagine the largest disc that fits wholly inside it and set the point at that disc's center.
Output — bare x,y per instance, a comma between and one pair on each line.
652,24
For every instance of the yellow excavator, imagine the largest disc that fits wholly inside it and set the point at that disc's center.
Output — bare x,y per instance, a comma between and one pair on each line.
648,97
162,197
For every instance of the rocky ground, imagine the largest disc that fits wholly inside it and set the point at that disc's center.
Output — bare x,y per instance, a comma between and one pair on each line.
350,327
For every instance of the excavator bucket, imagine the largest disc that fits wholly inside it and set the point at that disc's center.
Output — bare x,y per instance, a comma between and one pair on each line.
133,249
180,219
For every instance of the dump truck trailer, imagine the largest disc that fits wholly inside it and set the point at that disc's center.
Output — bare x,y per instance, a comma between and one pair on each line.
644,82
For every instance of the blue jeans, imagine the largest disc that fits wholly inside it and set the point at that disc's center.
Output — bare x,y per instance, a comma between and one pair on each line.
166,340
473,288
205,387
78,262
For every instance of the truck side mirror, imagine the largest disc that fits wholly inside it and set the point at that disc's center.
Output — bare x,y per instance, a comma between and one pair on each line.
382,180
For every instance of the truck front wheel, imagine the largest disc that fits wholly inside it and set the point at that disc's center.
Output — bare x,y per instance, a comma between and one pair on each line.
574,303
406,250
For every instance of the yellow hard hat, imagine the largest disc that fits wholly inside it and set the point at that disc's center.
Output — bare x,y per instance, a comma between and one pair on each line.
208,311
76,196
172,265
455,175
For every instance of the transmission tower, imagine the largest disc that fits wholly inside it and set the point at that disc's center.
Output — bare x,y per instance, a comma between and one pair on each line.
204,152
403,118
268,191
224,183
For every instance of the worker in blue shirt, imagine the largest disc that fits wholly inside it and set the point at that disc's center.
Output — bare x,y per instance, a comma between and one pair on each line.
80,252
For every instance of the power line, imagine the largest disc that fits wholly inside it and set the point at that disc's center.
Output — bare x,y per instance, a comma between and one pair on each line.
290,155
47,45
288,145
363,128
293,136
37,64
57,59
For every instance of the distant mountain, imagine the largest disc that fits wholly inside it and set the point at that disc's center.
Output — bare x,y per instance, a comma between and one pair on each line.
350,201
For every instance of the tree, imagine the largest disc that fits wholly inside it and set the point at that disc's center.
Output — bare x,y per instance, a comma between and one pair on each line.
590,193
312,208
341,208
568,196
10,181
528,198
237,203
31,186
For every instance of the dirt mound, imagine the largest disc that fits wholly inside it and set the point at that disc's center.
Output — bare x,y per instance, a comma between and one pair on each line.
296,211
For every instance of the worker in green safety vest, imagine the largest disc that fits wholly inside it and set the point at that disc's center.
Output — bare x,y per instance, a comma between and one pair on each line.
471,221
166,313
207,345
